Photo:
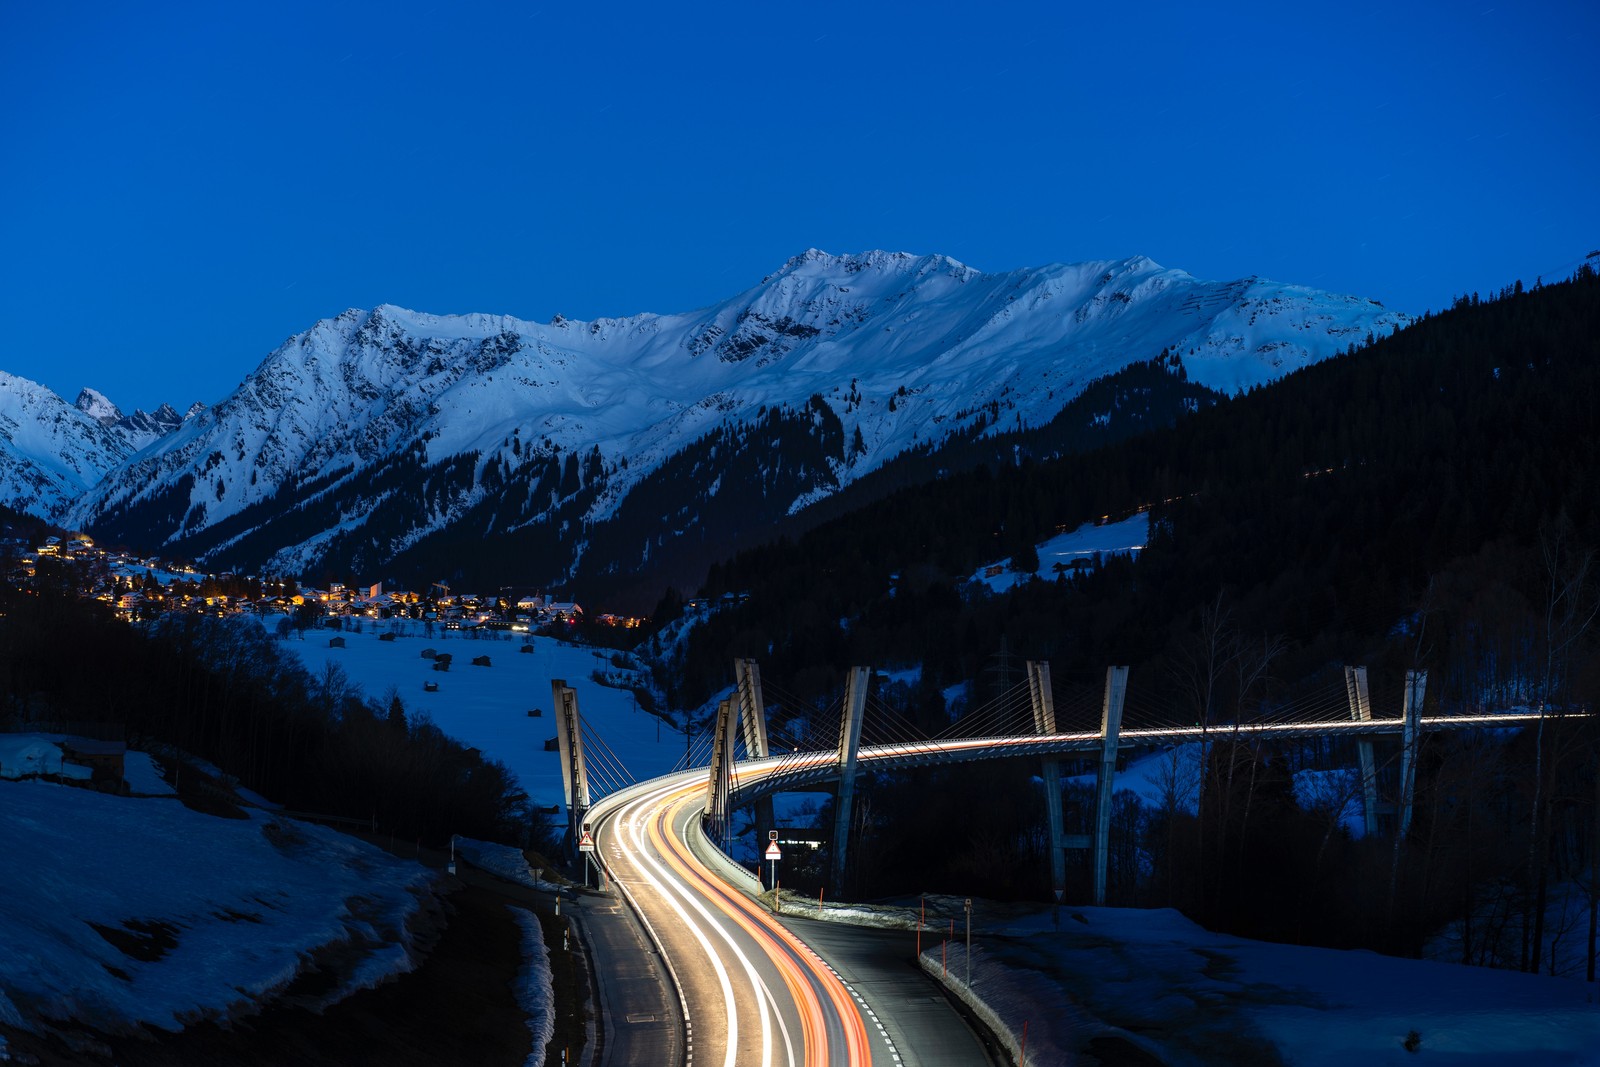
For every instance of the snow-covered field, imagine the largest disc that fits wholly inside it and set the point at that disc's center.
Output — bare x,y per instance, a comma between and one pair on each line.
487,707
1075,546
1077,978
1154,980
117,911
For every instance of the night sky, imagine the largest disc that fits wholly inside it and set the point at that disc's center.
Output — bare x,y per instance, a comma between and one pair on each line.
183,185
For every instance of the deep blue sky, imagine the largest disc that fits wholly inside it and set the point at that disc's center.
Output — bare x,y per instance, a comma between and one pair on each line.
183,185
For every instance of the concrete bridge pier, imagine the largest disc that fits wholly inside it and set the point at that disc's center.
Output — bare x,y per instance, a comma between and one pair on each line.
1410,737
753,715
855,706
1110,728
719,783
1355,684
1044,724
569,740
1099,841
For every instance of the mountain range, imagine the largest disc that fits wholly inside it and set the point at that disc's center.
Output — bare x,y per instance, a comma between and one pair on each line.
394,443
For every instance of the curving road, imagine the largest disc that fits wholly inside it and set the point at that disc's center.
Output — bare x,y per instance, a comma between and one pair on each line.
753,993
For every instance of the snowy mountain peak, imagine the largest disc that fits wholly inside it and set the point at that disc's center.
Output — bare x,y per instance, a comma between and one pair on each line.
50,451
1139,265
814,262
94,404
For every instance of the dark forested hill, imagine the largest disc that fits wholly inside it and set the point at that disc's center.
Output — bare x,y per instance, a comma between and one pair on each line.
1319,507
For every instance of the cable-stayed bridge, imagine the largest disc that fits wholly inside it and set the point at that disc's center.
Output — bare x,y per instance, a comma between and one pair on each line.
750,990
765,741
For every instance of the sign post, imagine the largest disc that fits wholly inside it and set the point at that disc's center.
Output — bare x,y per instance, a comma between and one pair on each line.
968,906
586,847
774,854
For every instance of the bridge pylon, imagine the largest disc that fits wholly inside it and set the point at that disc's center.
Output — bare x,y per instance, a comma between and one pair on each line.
1410,737
753,716
855,706
1098,842
1044,724
569,739
1355,684
1110,730
720,782
752,710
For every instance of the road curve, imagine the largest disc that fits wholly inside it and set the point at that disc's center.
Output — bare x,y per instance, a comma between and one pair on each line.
752,992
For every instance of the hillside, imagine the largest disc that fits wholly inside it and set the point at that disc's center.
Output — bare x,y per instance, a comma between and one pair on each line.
1321,505
1425,502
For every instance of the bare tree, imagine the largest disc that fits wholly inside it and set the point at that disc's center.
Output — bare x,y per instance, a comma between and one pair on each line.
1570,605
1199,668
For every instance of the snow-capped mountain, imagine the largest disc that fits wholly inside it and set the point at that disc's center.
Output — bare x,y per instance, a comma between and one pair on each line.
138,429
389,439
50,452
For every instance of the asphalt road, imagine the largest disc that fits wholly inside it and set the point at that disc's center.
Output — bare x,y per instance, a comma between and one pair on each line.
639,1016
924,1025
754,990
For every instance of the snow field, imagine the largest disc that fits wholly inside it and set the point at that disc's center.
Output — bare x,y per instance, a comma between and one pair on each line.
487,707
121,911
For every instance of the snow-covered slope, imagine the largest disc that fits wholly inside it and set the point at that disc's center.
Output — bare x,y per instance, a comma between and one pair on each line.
366,436
50,452
119,913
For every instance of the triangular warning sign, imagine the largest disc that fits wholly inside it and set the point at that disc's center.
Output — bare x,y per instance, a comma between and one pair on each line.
772,851
586,842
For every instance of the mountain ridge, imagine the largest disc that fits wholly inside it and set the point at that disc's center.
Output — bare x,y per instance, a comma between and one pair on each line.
367,412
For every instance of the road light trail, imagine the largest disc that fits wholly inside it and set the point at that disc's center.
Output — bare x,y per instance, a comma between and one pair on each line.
696,898
652,874
790,1010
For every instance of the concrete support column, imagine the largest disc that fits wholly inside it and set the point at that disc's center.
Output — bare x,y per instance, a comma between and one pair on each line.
752,709
1044,724
855,707
569,739
1110,728
1355,684
1410,736
721,776
753,714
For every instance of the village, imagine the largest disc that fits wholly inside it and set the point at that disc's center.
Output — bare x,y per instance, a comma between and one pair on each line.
139,588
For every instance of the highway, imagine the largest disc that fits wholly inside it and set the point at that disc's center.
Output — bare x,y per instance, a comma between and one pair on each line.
752,993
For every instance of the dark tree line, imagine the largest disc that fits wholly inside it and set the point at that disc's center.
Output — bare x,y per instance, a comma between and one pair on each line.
223,690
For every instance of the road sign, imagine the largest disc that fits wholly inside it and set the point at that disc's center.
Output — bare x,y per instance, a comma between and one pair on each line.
1059,894
773,853
586,842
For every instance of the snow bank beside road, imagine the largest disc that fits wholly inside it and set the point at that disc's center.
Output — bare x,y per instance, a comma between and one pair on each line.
117,912
535,989
502,861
